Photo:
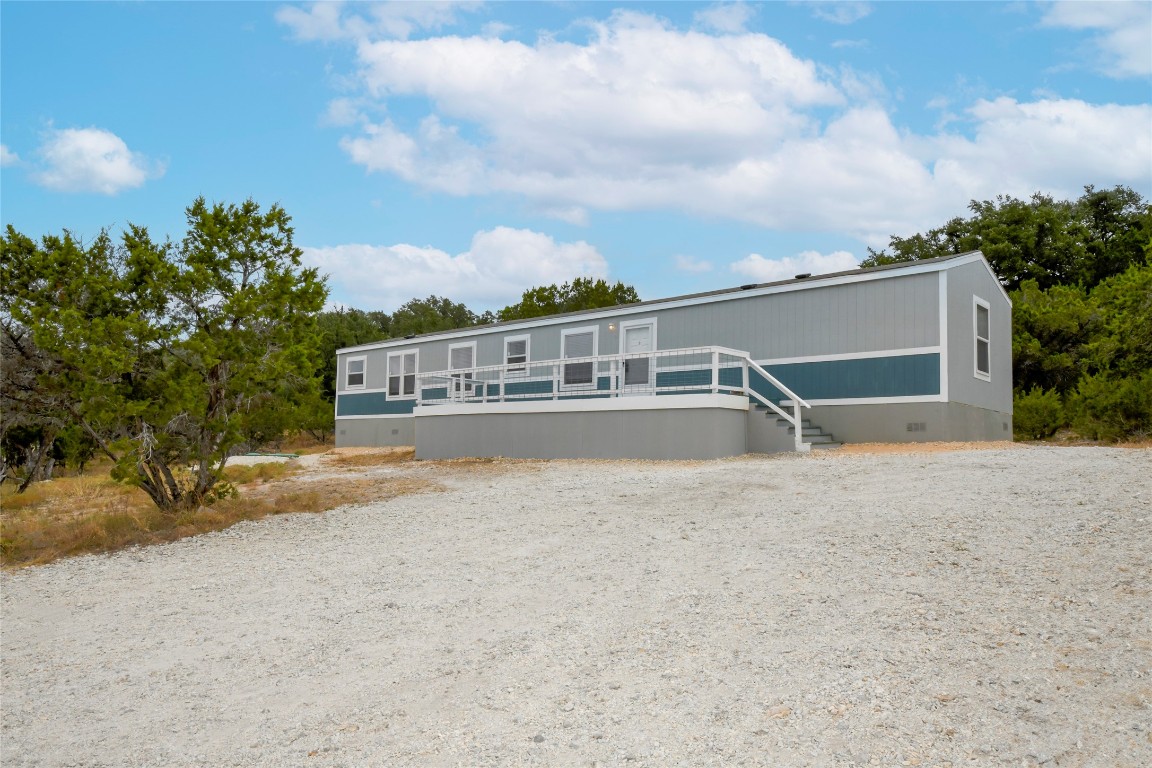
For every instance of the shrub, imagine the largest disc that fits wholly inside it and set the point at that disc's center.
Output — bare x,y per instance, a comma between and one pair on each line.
1037,414
1106,408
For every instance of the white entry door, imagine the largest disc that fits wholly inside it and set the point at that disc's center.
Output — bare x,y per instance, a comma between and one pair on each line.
639,372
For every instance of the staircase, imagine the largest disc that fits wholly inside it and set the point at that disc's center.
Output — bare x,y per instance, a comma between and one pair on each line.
812,434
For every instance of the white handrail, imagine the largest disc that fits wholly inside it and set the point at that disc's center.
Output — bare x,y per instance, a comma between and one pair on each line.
797,404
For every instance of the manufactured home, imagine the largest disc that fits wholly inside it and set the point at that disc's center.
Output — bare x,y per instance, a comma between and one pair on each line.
918,351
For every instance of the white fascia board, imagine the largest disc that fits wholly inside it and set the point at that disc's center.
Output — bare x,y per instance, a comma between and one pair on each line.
576,405
657,305
978,256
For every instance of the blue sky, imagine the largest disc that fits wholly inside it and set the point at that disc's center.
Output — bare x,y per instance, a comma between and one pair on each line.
474,150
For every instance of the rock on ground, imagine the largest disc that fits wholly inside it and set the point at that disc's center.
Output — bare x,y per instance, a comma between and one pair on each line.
969,608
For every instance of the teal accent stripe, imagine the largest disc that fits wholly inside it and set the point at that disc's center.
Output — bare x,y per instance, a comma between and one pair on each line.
901,376
370,404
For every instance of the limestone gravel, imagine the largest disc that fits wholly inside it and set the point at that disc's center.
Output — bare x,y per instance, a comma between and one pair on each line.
962,608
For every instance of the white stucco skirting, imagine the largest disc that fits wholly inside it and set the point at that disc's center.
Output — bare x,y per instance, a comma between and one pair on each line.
628,403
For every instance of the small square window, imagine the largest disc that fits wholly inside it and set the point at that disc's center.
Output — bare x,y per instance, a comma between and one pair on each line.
354,373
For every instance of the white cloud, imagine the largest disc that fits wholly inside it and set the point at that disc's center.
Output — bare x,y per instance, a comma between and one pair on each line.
644,116
7,157
572,214
1015,144
1123,38
725,17
812,262
850,43
840,11
328,21
691,265
91,160
341,113
497,268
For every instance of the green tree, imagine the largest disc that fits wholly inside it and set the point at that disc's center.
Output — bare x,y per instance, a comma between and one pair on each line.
345,328
1051,333
581,293
171,356
433,314
1054,242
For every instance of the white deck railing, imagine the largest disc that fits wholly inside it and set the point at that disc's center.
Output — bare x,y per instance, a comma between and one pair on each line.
662,372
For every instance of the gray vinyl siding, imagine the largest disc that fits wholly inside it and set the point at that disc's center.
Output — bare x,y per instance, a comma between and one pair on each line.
876,315
870,316
964,282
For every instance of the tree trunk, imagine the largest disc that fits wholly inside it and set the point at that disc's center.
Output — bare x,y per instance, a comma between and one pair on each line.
33,467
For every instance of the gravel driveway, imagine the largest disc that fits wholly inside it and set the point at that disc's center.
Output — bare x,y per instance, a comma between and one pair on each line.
977,607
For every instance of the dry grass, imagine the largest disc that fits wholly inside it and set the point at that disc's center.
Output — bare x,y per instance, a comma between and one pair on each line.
243,474
81,515
349,458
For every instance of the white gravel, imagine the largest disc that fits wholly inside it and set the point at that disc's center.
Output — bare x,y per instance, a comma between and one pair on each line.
983,607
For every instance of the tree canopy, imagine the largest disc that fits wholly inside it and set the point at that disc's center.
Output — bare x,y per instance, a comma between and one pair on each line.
1054,242
167,355
581,293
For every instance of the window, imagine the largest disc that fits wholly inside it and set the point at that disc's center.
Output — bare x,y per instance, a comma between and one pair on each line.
402,375
516,353
981,332
354,372
578,342
462,357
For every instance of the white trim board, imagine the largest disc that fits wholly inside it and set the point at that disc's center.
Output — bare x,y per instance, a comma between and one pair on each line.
360,391
942,325
850,356
873,400
376,416
656,305
577,405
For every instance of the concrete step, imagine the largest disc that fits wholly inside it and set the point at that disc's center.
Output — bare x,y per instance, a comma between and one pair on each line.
805,431
806,423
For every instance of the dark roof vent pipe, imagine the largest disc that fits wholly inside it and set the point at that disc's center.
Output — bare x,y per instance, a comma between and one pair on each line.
748,287
803,275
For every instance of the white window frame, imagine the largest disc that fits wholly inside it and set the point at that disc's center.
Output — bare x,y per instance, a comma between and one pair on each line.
465,372
977,303
363,373
415,375
564,334
519,371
